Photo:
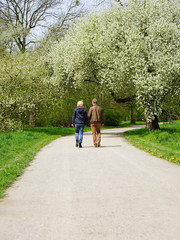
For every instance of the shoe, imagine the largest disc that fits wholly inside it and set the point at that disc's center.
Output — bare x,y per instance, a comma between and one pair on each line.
76,144
99,144
95,145
80,146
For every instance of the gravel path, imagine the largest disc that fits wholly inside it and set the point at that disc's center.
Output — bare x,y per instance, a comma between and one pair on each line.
115,192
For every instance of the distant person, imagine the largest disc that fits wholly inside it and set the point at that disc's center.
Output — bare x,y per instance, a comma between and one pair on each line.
95,116
79,118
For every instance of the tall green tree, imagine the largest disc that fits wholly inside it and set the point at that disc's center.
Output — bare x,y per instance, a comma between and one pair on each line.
132,52
24,87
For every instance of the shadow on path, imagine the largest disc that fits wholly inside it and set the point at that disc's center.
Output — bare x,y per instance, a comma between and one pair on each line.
102,146
108,133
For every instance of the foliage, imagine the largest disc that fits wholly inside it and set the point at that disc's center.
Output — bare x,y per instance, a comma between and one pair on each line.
3,43
28,97
171,108
163,143
119,54
159,51
9,124
128,51
112,117
24,86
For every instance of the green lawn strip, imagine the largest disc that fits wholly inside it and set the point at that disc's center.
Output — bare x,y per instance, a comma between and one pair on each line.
164,143
128,124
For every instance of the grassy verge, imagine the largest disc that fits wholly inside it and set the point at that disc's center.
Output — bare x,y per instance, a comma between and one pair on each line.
128,124
164,143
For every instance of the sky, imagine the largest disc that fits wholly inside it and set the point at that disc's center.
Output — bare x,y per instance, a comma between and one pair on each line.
90,5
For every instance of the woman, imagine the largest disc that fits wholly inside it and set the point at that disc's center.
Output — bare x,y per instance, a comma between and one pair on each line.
79,118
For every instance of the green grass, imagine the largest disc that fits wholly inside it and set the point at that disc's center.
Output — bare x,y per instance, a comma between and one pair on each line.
164,143
128,124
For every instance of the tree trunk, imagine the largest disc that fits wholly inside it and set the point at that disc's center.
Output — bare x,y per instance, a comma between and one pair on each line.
132,115
24,45
32,119
153,125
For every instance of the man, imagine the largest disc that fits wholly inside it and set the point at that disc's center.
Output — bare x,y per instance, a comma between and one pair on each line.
95,115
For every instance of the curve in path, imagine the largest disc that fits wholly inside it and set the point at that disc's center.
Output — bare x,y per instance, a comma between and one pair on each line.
116,192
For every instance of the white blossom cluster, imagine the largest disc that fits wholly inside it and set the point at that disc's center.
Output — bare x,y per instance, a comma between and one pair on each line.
130,51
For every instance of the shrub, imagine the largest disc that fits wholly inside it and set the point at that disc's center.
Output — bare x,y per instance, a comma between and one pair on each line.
112,117
8,124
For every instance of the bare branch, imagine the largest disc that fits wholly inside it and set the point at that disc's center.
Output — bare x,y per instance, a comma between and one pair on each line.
30,42
25,15
118,100
120,2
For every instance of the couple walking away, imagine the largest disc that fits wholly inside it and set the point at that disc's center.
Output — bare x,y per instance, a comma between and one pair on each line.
80,118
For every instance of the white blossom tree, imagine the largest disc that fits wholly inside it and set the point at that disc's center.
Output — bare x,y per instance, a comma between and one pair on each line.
131,52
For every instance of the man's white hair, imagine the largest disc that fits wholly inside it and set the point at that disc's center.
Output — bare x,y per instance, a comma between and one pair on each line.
80,103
